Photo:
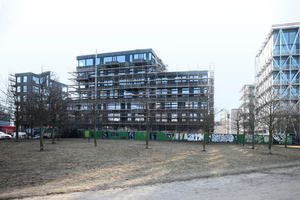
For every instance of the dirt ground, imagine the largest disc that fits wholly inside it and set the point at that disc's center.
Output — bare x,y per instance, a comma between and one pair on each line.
73,165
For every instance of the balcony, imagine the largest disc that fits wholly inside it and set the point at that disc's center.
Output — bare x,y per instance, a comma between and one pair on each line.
139,61
112,63
82,77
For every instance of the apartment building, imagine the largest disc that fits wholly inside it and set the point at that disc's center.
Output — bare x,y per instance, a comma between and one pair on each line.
133,89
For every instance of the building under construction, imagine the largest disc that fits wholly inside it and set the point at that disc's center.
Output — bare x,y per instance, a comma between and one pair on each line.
130,90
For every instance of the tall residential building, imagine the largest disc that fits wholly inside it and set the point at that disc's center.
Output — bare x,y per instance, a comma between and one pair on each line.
277,66
128,88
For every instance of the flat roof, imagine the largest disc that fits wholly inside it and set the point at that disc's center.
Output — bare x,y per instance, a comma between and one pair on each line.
288,25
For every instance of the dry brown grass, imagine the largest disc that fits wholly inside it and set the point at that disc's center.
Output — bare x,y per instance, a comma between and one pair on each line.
76,165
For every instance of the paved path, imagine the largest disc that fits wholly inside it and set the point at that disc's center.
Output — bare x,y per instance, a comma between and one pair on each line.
282,183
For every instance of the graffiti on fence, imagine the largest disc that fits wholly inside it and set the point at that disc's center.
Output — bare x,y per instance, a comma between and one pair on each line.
278,138
222,138
168,135
153,135
114,134
194,136
105,135
131,135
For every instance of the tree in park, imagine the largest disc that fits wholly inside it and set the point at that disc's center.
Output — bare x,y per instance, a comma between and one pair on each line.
236,122
16,101
57,102
41,102
289,122
268,113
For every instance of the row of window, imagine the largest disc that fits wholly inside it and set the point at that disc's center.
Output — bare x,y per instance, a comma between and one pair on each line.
120,59
170,105
21,79
158,117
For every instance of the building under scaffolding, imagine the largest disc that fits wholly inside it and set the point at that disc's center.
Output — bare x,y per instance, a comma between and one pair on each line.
129,90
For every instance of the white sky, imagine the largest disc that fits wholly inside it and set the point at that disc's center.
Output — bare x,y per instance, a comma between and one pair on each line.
38,35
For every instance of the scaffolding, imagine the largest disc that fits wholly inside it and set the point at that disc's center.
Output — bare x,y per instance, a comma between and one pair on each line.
130,85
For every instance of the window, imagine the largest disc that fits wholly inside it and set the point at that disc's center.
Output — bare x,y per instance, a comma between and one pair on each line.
89,62
18,79
158,105
174,105
150,56
24,88
158,116
19,89
35,89
164,80
81,63
107,59
36,80
98,61
174,117
129,117
121,58
164,117
140,56
24,79
185,90
139,117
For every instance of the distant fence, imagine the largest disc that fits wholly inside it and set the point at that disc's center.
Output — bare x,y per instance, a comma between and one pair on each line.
232,138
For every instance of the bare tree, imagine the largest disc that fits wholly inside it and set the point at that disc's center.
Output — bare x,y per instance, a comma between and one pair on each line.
57,99
290,118
41,102
236,122
268,113
16,101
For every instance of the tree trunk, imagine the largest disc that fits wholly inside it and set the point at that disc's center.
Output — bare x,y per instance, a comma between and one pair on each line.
31,131
53,142
286,133
58,134
253,140
270,140
147,129
237,136
95,135
204,141
17,132
244,136
41,138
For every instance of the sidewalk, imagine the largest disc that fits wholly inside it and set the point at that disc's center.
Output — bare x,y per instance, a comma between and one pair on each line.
279,183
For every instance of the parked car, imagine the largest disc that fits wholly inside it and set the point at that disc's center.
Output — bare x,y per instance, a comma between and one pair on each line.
22,135
4,136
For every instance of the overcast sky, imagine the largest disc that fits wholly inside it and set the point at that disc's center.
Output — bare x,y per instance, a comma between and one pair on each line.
38,35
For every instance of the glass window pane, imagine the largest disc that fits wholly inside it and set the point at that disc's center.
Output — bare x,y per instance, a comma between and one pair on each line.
121,58
89,62
81,63
25,79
